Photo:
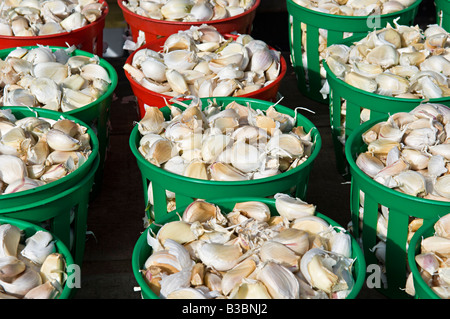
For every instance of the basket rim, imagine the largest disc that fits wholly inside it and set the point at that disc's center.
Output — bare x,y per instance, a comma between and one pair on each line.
306,163
104,63
353,18
126,11
356,249
357,133
133,82
62,34
60,246
54,115
411,252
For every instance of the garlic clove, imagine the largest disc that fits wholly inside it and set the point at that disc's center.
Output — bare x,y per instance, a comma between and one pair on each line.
279,281
9,240
292,208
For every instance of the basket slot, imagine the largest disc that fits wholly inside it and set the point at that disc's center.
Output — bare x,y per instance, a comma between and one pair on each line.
396,248
369,231
60,226
159,201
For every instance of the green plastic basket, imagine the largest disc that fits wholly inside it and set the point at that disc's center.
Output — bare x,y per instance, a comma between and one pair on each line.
401,207
187,189
29,230
65,213
29,197
95,114
309,79
356,99
142,249
443,13
422,290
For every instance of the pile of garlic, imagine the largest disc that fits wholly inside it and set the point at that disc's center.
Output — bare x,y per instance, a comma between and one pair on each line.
355,7
202,62
28,18
56,80
410,152
248,253
433,260
188,10
232,142
29,268
35,151
403,62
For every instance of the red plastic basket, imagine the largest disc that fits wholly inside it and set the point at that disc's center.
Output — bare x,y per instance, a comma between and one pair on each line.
154,28
151,98
88,38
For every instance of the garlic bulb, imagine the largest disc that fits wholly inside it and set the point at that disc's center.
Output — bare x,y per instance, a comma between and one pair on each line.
261,259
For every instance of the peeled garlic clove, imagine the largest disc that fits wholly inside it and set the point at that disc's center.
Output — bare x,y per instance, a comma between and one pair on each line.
253,209
277,252
292,208
53,267
316,273
280,282
218,256
9,240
